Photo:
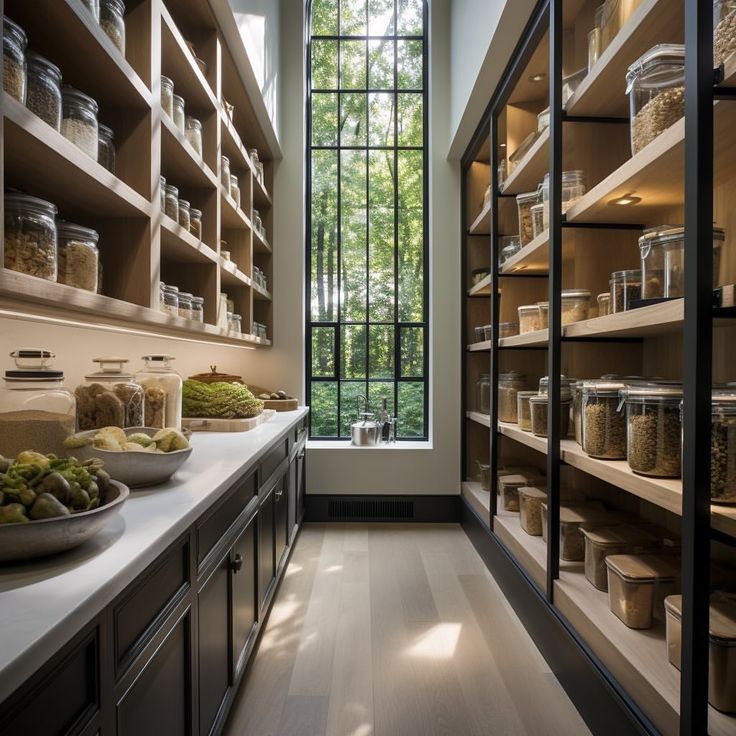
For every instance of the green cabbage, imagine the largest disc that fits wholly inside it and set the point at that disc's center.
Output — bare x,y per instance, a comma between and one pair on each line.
219,400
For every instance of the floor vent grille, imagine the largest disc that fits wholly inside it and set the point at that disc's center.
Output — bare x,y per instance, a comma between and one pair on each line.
370,510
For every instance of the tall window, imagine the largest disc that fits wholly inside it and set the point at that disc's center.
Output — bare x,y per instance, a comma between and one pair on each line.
367,329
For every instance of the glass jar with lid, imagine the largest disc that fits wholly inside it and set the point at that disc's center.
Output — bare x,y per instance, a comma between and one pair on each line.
43,91
524,204
94,7
653,429
15,42
575,305
106,147
162,387
179,116
225,173
482,393
724,30
167,96
171,202
236,325
656,89
524,410
78,256
539,409
162,190
508,245
604,426
195,222
184,214
573,188
198,309
723,447
538,220
235,189
194,134
79,120
543,308
36,411
566,384
110,397
112,22
185,304
30,236
509,385
528,318
604,304
625,289
170,299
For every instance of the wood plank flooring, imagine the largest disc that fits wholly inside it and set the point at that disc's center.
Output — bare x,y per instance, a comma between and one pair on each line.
396,630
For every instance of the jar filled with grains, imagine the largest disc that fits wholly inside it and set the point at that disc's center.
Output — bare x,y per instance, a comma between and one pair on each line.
14,60
185,304
625,288
483,393
112,22
724,30
163,193
575,305
653,429
543,315
524,203
43,93
179,116
225,173
723,447
195,223
94,7
194,134
78,256
539,405
170,303
604,426
167,96
235,189
106,147
30,236
79,120
656,89
198,309
524,410
509,385
604,304
528,319
171,205
184,215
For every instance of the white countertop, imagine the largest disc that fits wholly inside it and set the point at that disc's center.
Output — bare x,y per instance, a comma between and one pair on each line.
44,603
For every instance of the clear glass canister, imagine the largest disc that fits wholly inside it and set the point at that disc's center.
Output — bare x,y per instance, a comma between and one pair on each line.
508,245
195,223
171,202
43,91
106,147
184,215
604,304
537,220
625,289
656,89
530,509
94,7
594,37
225,173
198,309
524,203
724,30
577,410
604,426
509,486
524,410
36,411
543,308
185,304
236,324
539,405
179,116
575,305
573,188
112,22
110,397
723,447
509,385
79,120
653,429
235,189
78,256
543,120
162,387
505,329
30,236
167,96
194,134
528,318
14,60
170,299
483,393
162,190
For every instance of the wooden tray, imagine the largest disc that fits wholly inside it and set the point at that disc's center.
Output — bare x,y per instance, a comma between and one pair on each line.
275,404
226,425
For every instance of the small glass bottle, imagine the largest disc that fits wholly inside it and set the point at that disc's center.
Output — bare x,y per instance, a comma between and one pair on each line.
79,120
43,92
167,96
106,148
178,116
171,207
184,214
198,309
185,304
195,223
112,22
194,134
225,173
15,42
235,189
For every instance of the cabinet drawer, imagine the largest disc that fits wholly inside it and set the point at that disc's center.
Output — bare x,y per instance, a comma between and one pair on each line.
272,460
140,606
218,521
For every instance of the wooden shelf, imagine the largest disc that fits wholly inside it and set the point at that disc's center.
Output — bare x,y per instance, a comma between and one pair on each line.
482,224
261,197
231,274
479,347
478,499
44,163
180,245
482,419
180,163
261,294
538,338
260,244
530,171
656,319
232,145
482,288
530,551
233,218
532,258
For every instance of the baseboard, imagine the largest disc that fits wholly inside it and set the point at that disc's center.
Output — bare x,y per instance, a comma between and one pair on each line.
604,709
383,508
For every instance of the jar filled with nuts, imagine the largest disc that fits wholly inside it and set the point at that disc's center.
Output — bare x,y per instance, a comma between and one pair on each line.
625,289
78,256
724,30
723,447
79,120
163,388
109,398
14,60
43,93
30,236
604,426
656,89
524,203
509,384
653,429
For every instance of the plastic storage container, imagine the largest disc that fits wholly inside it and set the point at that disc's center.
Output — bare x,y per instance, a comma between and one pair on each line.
524,203
167,96
721,646
604,304
524,410
30,236
653,429
507,329
638,585
656,89
603,425
537,220
109,397
539,405
509,385
179,115
193,132
112,22
723,447
625,288
575,305
530,510
528,318
724,30
508,245
36,411
170,299
574,515
106,147
198,309
543,308
79,120
78,256
171,203
509,486
195,223
162,387
184,214
43,90
14,60
185,304
483,393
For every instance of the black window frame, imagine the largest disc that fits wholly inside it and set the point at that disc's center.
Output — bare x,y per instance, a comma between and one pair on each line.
396,323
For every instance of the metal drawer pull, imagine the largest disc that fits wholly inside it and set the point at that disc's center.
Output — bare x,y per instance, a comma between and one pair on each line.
236,564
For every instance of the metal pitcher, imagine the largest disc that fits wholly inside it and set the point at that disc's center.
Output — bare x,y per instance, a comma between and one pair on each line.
366,432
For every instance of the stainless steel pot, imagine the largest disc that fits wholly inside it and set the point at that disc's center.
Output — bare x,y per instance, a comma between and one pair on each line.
365,433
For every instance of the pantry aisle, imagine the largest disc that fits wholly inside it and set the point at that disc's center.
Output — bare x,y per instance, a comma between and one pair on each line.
396,630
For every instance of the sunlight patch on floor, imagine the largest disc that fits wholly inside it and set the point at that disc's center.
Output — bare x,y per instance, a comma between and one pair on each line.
440,642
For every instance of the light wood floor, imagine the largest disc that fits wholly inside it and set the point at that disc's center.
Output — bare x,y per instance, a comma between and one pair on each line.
394,630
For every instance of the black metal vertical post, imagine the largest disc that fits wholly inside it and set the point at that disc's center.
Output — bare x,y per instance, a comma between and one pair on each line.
494,437
464,321
554,345
697,365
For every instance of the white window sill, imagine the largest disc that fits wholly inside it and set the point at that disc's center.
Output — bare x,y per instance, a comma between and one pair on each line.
346,445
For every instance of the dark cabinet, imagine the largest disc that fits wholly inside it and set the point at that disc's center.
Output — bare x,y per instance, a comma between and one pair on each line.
281,518
243,583
301,483
266,567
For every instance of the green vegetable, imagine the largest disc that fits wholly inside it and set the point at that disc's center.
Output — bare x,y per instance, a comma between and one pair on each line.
55,484
219,400
76,441
139,438
169,440
4,464
47,506
29,457
13,513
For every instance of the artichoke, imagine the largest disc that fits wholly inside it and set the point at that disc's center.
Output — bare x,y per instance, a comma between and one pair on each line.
219,400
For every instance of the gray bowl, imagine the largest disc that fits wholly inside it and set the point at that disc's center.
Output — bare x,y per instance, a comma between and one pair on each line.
24,541
135,469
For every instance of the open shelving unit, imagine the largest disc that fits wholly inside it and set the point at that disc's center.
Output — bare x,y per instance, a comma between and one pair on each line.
139,245
581,248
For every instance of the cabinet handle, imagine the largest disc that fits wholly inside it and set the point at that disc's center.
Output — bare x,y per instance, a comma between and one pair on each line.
236,564
300,456
278,494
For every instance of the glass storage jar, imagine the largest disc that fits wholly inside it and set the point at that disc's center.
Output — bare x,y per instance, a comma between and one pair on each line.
167,96
235,189
524,203
78,256
94,7
14,60
198,309
543,308
170,303
594,37
112,22
724,30
543,120
566,385
604,426
106,147
509,384
162,190
185,304
524,410
162,387
225,173
483,393
576,390
36,411
179,116
539,404
171,205
575,305
604,304
79,120
625,289
476,275
43,89
109,397
573,188
615,13
236,325
528,318
505,329
723,447
537,220
653,429
194,134
508,245
656,89
183,215
30,236
195,222
484,477
530,509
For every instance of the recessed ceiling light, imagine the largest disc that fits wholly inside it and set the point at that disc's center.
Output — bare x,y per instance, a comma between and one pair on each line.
627,199
502,145
537,77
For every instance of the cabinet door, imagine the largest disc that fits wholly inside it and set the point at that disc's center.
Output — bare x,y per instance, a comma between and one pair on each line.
243,585
292,497
265,547
281,501
301,484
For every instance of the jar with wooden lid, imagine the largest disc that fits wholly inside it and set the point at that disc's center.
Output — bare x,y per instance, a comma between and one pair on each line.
185,304
106,147
162,386
79,120
509,385
193,129
604,426
30,236
184,216
171,202
195,222
78,256
167,96
15,42
179,116
112,22
43,92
